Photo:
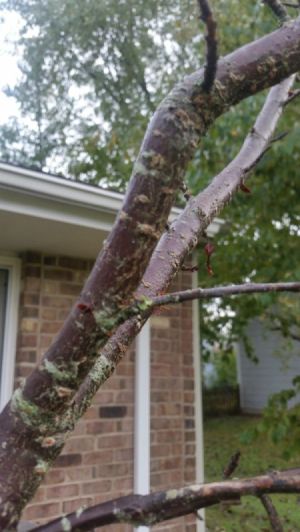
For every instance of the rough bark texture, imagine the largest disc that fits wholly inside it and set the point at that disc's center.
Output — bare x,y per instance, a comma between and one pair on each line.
33,425
161,506
184,235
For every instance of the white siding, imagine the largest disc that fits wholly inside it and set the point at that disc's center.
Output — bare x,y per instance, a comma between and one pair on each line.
279,363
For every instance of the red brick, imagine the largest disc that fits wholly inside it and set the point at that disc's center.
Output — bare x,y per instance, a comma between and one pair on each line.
98,486
54,476
70,289
63,491
42,510
73,505
98,457
58,274
81,444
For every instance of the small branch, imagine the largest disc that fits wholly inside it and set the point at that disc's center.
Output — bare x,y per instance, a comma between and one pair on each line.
223,291
293,94
147,510
232,465
288,4
278,9
210,69
272,513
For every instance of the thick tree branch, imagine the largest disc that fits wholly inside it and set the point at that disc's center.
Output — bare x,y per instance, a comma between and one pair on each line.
183,236
210,68
222,291
40,413
272,513
164,505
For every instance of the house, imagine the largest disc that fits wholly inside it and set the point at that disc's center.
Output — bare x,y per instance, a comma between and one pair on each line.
278,363
144,430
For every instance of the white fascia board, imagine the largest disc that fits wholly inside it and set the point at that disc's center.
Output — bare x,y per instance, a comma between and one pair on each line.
62,190
58,189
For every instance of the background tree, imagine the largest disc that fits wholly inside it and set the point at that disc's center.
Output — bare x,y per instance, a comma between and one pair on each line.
104,67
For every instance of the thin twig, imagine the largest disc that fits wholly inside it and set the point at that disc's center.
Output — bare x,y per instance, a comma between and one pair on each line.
288,4
223,291
278,9
232,465
272,513
210,69
293,94
161,506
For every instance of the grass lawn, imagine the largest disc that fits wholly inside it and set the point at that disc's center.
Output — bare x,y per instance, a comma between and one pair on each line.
221,440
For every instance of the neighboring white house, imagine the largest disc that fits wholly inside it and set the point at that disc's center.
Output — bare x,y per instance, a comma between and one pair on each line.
278,363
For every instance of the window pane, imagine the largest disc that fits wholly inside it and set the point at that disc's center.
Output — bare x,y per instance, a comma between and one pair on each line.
3,298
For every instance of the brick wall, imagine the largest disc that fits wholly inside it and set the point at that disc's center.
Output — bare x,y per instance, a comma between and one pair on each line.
97,461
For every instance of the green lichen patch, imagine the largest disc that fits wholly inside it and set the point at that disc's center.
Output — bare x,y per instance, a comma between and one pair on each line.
105,321
41,467
31,414
102,370
143,303
66,524
59,374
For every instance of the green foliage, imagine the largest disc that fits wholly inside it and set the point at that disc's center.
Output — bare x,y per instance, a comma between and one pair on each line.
93,72
224,364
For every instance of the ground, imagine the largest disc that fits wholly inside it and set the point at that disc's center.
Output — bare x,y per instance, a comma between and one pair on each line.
222,439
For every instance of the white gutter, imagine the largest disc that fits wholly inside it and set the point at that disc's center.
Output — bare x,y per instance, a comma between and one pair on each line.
59,189
142,415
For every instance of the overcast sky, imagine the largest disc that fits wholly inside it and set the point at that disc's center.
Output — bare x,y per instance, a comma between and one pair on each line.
8,62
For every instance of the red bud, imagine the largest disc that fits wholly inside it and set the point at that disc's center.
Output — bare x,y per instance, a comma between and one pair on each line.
244,188
209,249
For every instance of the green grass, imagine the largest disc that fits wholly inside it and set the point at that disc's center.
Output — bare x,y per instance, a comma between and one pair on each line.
221,440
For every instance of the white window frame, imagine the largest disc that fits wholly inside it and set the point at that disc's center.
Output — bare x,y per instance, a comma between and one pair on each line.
13,266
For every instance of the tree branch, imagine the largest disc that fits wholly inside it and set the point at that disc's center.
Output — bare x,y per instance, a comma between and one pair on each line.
232,465
161,506
278,9
210,68
183,236
222,291
42,411
289,4
272,513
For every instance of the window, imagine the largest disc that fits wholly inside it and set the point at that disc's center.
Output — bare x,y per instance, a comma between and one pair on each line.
9,303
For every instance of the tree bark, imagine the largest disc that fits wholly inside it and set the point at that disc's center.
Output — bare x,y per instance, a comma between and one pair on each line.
34,424
154,508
